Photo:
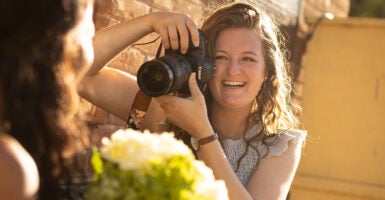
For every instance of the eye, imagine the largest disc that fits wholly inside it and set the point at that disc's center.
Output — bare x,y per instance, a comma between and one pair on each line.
220,57
249,59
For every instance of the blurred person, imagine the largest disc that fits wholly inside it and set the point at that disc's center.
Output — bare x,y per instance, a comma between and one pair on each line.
45,49
18,171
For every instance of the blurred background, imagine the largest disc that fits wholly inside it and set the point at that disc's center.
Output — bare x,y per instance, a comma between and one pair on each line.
337,58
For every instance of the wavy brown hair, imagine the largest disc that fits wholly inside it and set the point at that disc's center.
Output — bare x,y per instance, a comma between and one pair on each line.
38,100
272,108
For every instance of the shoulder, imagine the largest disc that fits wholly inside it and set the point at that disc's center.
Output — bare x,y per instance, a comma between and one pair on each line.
274,174
18,171
296,135
288,140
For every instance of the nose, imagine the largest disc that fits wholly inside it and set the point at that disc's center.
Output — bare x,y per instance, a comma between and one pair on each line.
234,67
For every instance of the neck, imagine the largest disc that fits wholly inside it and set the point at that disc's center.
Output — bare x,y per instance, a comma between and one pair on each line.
229,123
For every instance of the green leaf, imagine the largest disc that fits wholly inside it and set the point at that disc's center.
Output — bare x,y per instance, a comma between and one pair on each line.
97,163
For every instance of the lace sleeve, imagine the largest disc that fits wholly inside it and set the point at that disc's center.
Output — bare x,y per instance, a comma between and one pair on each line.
295,135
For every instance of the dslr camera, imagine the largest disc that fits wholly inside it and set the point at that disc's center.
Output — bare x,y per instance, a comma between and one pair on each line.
170,73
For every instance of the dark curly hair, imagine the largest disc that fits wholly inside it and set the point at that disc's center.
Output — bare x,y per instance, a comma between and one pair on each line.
38,103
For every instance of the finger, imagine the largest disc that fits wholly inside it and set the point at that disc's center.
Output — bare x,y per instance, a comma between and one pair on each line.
165,39
161,99
193,85
193,30
174,38
164,100
183,38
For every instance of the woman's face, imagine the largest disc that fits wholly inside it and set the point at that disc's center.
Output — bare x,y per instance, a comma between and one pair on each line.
240,68
82,34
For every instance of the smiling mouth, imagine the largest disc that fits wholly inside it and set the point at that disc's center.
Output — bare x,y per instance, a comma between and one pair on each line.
234,84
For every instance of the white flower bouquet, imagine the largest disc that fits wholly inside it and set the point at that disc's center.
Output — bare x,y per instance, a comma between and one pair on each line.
134,165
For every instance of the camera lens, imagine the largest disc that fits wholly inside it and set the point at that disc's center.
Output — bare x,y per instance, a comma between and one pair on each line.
155,78
164,75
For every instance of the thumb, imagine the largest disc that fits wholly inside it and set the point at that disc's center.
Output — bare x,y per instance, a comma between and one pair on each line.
193,85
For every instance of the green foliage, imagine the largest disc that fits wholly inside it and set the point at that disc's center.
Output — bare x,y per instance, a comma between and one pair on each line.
367,8
97,163
173,179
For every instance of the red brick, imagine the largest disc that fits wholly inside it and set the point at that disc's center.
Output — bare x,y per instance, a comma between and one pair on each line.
165,4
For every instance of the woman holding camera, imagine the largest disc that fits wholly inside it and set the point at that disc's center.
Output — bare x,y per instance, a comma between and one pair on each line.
115,90
242,126
246,134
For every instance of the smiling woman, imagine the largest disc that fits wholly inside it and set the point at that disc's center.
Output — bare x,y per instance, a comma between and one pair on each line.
248,106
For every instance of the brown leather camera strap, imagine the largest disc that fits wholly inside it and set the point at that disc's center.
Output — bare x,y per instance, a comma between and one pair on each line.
138,111
140,105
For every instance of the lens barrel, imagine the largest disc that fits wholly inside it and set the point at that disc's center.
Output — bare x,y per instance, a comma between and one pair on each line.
164,75
155,78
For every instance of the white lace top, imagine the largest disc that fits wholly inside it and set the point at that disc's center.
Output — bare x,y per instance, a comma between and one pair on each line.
235,148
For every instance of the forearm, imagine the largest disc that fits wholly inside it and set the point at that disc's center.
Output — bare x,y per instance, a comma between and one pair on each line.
214,157
110,41
110,89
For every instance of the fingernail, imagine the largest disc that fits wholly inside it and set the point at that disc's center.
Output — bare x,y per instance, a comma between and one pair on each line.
196,42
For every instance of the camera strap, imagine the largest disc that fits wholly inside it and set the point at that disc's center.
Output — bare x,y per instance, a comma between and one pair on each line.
138,111
140,105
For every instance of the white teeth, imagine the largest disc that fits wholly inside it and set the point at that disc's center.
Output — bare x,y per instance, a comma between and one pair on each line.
233,83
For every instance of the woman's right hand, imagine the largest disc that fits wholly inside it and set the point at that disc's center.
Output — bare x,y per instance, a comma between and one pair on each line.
174,29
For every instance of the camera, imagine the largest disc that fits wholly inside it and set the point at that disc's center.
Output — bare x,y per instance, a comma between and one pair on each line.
170,73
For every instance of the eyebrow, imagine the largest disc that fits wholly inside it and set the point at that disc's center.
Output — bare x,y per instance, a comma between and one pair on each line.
245,52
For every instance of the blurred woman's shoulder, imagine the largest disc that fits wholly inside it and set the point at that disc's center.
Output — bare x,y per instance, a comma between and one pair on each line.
18,171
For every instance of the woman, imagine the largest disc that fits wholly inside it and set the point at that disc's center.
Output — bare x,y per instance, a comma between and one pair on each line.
248,107
45,49
248,103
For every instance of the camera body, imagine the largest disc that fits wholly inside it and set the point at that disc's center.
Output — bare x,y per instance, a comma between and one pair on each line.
170,73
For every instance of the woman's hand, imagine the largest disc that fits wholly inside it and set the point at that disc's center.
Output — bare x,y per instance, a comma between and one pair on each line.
188,113
175,30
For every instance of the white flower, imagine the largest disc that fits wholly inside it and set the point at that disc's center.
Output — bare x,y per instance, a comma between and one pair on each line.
133,150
